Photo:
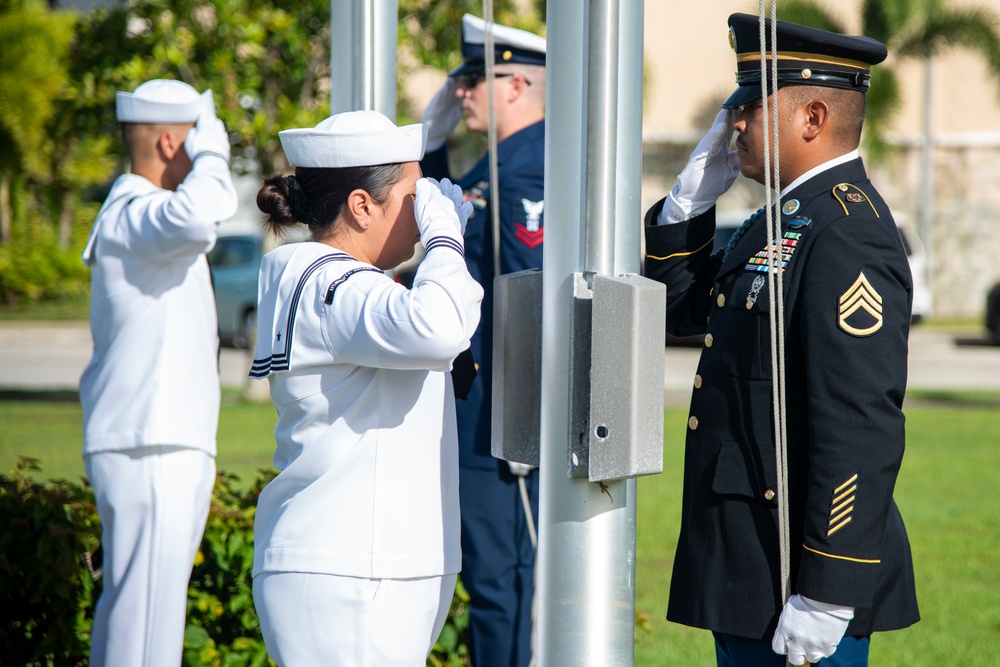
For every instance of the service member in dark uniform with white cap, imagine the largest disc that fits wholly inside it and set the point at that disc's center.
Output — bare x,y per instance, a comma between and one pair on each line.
498,557
847,295
150,393
357,544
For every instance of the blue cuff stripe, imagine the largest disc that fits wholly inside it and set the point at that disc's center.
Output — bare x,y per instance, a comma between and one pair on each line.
445,242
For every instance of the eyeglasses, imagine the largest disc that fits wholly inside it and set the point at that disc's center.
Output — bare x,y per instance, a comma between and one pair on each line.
471,79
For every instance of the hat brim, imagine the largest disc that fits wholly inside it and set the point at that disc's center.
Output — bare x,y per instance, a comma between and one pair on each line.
744,95
470,67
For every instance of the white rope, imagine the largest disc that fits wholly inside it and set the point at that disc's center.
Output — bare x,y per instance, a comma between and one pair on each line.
776,289
491,133
526,504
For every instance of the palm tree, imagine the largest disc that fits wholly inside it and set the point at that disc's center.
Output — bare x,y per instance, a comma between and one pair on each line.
911,29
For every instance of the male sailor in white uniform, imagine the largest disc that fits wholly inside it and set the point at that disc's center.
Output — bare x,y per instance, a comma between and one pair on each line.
150,393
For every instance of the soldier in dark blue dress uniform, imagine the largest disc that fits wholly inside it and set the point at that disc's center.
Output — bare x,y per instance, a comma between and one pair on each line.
498,558
847,296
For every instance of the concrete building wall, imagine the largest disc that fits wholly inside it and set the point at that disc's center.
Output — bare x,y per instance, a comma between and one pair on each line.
689,71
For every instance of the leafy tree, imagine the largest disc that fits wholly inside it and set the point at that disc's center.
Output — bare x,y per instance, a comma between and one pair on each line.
266,62
911,29
29,84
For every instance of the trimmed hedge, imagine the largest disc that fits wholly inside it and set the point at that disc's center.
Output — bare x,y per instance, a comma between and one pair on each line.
49,550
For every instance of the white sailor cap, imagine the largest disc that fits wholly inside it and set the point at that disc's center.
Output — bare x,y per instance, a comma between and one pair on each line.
163,101
510,45
353,139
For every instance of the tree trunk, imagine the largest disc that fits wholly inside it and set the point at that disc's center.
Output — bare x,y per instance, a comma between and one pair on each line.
66,220
5,212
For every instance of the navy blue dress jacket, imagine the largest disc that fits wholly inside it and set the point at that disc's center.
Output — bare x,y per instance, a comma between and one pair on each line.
847,295
521,172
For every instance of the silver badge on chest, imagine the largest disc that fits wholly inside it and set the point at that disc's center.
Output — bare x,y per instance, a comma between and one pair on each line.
755,288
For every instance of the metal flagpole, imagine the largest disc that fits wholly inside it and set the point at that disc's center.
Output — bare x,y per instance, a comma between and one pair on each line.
586,558
363,55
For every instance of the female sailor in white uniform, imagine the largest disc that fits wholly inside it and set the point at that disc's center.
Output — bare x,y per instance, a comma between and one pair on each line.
357,539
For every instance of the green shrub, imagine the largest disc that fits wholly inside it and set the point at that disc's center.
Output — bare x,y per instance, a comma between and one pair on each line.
48,594
33,266
49,535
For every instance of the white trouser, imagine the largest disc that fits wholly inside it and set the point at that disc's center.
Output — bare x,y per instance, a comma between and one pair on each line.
323,620
153,503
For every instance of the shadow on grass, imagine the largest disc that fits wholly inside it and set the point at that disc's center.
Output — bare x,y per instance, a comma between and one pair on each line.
46,395
926,398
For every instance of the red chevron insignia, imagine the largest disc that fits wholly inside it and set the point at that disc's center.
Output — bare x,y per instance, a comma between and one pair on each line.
530,239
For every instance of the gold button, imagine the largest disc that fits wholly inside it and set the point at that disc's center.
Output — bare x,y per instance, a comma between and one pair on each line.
711,291
721,300
769,495
693,422
709,340
697,382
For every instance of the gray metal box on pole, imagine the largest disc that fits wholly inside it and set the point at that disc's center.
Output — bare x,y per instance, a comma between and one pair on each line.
626,378
615,374
517,366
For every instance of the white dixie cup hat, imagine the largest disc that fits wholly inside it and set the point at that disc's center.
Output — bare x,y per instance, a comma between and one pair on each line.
163,101
353,139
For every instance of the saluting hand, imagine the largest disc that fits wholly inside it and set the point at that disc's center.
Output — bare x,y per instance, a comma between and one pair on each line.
442,114
709,173
207,137
440,211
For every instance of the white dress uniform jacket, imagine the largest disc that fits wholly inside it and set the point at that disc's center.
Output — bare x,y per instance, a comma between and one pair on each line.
153,378
366,437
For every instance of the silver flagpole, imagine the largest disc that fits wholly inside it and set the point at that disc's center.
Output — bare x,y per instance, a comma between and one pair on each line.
363,55
586,562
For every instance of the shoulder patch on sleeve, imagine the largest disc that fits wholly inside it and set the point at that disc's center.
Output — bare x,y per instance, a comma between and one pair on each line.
860,308
848,193
531,233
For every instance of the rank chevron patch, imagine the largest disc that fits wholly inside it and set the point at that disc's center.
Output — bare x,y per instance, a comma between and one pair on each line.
842,505
860,311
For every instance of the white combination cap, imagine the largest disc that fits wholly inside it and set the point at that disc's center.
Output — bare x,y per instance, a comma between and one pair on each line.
510,45
353,139
163,101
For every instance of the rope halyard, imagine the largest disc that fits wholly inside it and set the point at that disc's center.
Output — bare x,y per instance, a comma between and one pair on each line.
776,289
491,132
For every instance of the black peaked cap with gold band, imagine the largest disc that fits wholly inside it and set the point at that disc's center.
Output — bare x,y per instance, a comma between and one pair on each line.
806,56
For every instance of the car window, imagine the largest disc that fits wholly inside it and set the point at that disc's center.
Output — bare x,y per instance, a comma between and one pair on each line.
229,252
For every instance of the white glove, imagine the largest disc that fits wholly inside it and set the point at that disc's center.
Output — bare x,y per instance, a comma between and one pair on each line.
519,469
437,213
457,196
809,631
709,173
207,137
442,114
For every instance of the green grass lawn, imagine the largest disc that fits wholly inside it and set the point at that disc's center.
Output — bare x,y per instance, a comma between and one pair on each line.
48,427
948,492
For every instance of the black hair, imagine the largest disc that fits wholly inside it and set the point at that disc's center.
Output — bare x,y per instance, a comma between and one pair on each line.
315,196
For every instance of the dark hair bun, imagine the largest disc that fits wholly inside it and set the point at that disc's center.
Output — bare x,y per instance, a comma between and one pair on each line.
282,199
